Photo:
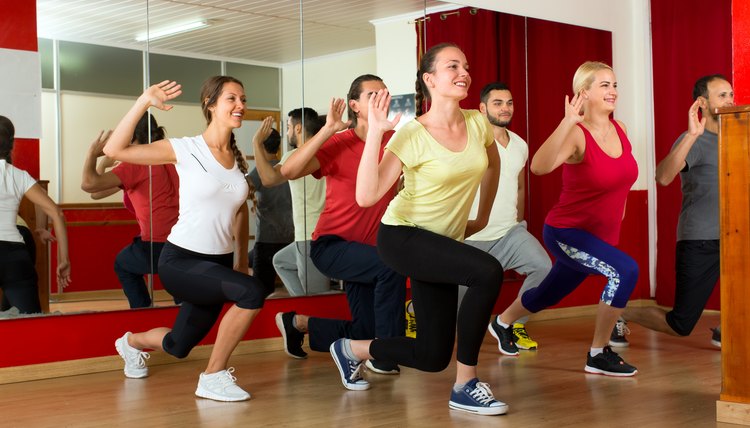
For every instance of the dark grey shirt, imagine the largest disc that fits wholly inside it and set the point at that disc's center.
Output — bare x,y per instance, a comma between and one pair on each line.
699,216
273,219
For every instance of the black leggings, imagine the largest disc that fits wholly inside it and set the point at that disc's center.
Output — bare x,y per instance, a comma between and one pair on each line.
203,283
436,265
18,278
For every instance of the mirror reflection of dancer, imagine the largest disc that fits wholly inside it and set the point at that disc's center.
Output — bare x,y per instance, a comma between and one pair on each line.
444,154
695,156
505,236
152,193
18,277
343,244
196,263
582,229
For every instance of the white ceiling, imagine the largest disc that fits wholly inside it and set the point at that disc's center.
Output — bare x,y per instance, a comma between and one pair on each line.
265,32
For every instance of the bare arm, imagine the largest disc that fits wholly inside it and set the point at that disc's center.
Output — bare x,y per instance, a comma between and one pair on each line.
93,180
270,175
487,192
303,161
39,197
521,203
118,146
41,225
104,193
241,230
373,179
671,165
560,147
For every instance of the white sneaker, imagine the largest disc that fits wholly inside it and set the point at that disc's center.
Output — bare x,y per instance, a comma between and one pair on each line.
135,359
220,386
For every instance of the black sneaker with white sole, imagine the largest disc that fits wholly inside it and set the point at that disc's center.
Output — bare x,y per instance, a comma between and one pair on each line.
617,338
716,337
293,338
609,363
504,338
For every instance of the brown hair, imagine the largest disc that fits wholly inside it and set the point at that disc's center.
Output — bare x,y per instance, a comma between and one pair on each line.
209,94
427,65
7,133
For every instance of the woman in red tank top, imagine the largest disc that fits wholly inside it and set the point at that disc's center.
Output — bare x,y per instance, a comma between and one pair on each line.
582,229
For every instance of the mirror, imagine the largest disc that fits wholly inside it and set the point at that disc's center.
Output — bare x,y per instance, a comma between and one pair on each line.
289,57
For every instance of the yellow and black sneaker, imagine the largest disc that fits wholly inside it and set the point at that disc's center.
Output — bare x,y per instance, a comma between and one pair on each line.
411,320
522,338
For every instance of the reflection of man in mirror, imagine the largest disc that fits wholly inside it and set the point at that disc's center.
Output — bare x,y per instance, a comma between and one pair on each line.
695,157
274,229
505,236
293,263
343,244
155,201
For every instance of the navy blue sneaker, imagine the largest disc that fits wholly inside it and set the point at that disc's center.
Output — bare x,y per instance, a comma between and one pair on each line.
350,370
476,397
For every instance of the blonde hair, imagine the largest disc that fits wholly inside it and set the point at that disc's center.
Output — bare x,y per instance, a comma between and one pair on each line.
584,76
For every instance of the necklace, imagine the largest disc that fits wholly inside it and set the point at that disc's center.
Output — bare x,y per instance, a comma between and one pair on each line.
599,134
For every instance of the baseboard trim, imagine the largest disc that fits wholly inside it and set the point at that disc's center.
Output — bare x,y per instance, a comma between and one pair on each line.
733,413
114,363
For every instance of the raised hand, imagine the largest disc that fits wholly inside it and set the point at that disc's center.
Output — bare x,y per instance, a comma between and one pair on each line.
377,116
45,236
158,95
264,131
695,126
573,107
334,115
97,146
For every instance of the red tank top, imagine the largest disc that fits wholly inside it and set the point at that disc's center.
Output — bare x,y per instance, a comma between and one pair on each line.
594,191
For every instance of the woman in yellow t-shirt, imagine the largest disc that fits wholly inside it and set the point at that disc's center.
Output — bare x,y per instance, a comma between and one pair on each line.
444,154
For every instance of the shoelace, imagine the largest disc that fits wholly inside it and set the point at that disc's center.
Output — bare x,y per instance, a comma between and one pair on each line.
356,369
140,359
622,328
521,332
482,394
227,378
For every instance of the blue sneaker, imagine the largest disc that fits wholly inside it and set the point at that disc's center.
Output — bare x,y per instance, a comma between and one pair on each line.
476,397
350,370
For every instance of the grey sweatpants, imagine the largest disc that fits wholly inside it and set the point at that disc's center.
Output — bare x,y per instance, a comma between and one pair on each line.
297,271
520,251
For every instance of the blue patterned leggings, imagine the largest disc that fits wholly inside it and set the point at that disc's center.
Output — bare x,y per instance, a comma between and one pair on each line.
579,254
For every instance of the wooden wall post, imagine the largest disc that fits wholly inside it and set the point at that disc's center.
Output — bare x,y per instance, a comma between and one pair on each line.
734,195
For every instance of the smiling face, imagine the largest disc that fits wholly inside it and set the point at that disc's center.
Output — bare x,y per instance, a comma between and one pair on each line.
720,94
499,107
602,93
450,77
229,107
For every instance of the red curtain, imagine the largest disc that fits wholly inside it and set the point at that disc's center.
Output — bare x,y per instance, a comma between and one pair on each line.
690,39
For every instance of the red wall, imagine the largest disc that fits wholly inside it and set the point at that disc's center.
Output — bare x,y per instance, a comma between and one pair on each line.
682,54
18,31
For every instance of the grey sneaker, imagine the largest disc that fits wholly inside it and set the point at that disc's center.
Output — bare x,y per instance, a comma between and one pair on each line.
135,359
220,386
716,337
617,338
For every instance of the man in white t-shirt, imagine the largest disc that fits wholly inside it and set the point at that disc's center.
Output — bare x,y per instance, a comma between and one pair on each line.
292,263
505,236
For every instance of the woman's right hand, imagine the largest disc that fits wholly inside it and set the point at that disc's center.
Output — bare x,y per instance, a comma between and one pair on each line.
63,273
158,95
334,116
573,107
377,116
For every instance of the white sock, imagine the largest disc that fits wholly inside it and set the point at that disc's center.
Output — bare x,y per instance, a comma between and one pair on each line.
502,324
596,351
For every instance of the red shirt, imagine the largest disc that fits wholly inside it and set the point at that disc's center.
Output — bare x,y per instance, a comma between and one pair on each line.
165,185
594,191
339,160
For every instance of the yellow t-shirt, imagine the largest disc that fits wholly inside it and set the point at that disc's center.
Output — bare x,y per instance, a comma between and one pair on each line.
439,184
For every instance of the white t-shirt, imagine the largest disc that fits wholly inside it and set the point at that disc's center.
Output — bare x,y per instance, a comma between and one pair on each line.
308,199
14,183
210,196
504,212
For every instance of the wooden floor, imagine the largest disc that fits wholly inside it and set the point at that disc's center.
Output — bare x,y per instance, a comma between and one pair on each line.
677,386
